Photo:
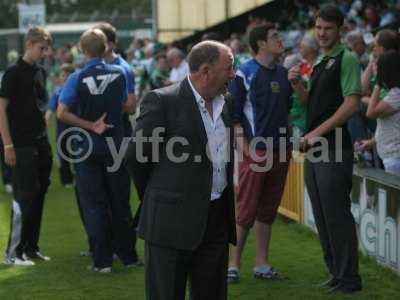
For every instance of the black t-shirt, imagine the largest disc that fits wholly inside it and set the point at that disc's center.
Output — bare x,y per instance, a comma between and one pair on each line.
325,98
24,86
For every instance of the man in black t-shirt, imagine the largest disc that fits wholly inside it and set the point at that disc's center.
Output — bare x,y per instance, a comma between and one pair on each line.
27,151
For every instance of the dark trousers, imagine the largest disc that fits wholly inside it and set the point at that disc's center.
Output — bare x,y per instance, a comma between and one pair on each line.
66,175
104,201
132,224
127,125
31,179
168,269
78,202
329,186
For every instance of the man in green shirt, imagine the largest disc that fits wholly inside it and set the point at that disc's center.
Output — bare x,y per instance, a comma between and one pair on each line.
160,75
332,97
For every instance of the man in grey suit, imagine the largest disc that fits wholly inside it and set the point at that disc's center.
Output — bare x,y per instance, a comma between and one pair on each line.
183,175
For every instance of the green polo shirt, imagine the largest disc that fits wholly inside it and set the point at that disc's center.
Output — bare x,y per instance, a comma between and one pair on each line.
350,75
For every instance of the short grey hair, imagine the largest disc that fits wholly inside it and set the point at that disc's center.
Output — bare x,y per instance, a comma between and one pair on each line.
353,37
310,40
175,52
206,52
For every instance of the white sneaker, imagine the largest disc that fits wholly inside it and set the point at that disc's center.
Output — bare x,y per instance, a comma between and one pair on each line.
85,253
100,270
8,187
15,261
37,255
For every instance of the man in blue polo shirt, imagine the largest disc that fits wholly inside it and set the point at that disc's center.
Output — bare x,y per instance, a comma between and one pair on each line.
261,93
98,94
113,58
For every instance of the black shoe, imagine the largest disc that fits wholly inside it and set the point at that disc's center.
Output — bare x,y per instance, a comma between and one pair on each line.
136,264
330,283
233,276
345,289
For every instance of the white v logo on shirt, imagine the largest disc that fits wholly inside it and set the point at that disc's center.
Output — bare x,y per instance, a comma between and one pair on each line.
105,80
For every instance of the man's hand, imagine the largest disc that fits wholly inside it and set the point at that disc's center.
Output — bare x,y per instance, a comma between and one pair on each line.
364,144
9,156
130,105
100,126
129,108
294,75
241,143
297,83
372,65
308,141
365,100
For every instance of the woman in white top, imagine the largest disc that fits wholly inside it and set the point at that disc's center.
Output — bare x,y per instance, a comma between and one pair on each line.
387,111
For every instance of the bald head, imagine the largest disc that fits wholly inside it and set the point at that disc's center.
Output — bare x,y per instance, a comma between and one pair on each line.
211,68
206,52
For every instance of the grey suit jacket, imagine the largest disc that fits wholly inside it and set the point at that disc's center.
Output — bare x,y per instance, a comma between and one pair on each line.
175,195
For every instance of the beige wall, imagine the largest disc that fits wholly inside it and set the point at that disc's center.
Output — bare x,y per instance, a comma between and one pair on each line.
180,18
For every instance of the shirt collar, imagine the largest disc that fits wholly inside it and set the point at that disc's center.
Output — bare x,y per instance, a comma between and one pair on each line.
335,51
195,93
218,101
116,59
94,61
24,64
271,66
181,65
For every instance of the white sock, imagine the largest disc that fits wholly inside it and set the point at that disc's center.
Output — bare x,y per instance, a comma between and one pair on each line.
262,269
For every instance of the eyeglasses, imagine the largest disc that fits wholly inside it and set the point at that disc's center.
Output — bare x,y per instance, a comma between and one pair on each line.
274,36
